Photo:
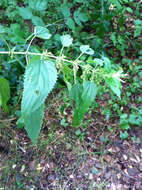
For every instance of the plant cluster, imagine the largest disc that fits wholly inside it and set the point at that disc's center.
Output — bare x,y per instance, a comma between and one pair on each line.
57,49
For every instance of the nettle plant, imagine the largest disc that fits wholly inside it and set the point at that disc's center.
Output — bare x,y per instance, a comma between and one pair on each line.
83,80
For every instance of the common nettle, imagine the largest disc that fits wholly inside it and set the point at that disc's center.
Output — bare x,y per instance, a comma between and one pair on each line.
41,74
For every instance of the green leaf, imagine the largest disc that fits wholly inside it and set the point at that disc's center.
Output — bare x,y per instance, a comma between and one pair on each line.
129,10
137,31
89,92
66,40
15,34
70,23
25,13
83,95
124,135
107,63
115,85
65,10
80,17
86,49
99,62
33,123
40,78
135,119
80,1
138,22
42,32
76,18
2,29
4,93
76,92
38,5
78,132
20,123
140,110
37,21
113,38
124,125
83,17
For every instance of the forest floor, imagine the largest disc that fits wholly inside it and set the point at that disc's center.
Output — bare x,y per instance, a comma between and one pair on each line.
88,158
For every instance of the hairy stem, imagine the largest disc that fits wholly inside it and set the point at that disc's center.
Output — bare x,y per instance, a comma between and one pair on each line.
44,54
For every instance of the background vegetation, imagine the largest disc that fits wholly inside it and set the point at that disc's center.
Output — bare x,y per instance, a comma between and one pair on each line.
113,30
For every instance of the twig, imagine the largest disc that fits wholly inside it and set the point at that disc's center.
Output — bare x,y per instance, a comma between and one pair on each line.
44,54
2,121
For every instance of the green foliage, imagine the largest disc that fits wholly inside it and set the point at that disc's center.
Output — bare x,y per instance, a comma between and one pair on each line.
25,13
42,32
138,27
86,70
66,40
86,49
83,95
4,93
135,118
124,124
38,5
33,122
40,78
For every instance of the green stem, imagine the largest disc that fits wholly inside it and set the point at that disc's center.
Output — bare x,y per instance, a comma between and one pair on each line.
6,42
32,53
78,57
29,48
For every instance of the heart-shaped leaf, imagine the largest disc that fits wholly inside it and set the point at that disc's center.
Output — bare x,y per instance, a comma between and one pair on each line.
40,78
86,49
66,40
42,32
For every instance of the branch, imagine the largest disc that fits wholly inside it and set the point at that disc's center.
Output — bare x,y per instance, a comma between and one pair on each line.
44,54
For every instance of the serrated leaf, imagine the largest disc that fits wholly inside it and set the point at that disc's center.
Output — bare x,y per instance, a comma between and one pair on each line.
40,78
33,123
86,50
4,93
89,92
66,40
25,12
115,85
83,95
42,32
76,92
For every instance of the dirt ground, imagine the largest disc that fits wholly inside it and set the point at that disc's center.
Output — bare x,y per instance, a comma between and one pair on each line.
94,159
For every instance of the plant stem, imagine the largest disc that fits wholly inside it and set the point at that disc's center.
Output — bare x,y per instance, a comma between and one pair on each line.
29,48
32,53
5,42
